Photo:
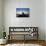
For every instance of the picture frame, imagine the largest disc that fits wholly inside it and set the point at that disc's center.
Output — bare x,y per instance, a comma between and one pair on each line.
22,12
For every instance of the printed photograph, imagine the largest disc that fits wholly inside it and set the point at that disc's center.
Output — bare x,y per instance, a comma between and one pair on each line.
22,12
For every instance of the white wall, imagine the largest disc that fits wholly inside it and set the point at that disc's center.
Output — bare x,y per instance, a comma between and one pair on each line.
0,18
0,10
36,15
39,17
45,19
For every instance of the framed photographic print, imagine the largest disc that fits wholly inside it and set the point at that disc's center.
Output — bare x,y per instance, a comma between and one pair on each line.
22,12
